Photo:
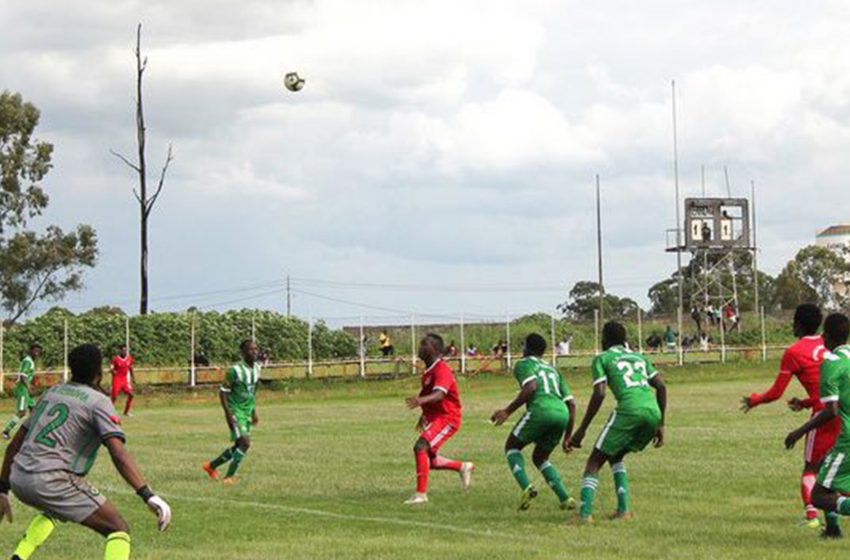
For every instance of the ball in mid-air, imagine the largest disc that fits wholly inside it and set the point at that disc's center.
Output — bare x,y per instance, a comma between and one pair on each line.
293,81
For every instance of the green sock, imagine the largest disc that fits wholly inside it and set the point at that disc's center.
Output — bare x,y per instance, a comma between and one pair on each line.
621,484
516,462
553,479
39,529
843,506
11,425
223,458
589,485
238,456
117,547
832,520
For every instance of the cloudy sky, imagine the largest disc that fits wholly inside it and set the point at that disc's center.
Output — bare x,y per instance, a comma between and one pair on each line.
444,143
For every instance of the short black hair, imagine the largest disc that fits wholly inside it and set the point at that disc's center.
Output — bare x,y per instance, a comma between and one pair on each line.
614,333
85,362
809,317
836,328
437,341
245,343
535,344
35,345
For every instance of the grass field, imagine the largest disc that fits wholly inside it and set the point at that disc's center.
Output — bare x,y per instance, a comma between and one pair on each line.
331,464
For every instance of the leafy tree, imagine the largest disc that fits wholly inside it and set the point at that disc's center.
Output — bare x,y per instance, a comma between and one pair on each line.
584,300
33,266
815,274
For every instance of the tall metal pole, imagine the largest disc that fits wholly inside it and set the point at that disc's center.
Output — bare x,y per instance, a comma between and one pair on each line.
706,292
599,251
288,298
728,184
2,363
254,325
755,247
508,334
678,228
462,348
552,336
310,345
596,330
763,337
65,353
127,332
192,365
362,349
640,330
412,344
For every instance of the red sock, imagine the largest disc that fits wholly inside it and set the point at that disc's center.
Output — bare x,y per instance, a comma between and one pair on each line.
807,483
128,405
441,463
423,465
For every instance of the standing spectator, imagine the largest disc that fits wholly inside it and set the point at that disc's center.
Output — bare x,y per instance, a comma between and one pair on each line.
122,377
734,319
386,344
709,313
696,315
472,350
563,347
670,339
451,351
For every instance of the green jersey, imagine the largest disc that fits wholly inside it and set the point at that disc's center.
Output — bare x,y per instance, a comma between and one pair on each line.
27,370
240,384
627,374
552,391
835,387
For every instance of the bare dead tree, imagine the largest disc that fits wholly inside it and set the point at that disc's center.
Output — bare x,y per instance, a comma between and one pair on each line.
146,201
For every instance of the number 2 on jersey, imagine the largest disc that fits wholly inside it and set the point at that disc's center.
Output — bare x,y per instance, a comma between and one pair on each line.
59,413
634,374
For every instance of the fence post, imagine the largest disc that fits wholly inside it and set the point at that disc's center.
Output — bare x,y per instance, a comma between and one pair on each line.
127,332
362,349
310,346
192,369
508,329
722,340
596,330
552,337
640,330
462,348
763,337
65,352
2,363
254,325
412,344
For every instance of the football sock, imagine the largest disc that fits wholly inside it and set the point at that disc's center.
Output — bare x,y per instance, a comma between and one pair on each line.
589,485
223,458
128,405
553,479
516,462
832,521
238,456
11,425
807,483
621,484
117,547
423,466
40,528
441,463
843,506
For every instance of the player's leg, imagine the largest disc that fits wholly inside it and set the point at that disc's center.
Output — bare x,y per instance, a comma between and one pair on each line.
421,454
516,464
590,483
107,521
22,402
128,391
833,504
540,456
621,485
240,451
39,529
440,463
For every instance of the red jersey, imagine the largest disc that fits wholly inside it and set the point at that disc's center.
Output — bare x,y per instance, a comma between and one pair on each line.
439,377
801,360
121,366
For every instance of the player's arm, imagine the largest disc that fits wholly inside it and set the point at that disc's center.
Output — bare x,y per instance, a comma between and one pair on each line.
568,433
129,471
786,370
593,407
434,396
228,415
498,418
11,450
657,383
822,417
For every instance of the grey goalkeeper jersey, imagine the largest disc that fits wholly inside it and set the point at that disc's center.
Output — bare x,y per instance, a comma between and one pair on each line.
66,430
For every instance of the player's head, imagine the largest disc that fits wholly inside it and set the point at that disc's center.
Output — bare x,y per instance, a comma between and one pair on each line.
807,320
836,329
250,350
86,363
34,350
431,347
122,350
613,334
535,345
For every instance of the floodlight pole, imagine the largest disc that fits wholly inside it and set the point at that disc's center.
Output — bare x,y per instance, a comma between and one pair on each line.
127,332
192,365
552,334
681,357
599,250
65,353
462,348
755,246
412,344
362,349
508,333
640,330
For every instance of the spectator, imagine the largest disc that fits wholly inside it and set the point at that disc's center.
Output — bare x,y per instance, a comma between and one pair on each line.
733,318
472,350
451,350
499,349
696,315
563,348
386,344
653,342
670,339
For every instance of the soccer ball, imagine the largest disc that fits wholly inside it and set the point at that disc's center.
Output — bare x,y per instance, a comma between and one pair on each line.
293,81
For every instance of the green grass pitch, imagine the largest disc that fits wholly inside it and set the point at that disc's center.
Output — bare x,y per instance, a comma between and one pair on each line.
332,463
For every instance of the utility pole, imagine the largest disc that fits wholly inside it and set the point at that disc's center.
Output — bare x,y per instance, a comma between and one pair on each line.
599,251
288,299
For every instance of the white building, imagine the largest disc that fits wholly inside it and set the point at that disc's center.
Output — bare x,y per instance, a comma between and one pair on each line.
836,238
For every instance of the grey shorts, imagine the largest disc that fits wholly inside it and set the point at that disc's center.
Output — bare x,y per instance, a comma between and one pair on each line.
60,494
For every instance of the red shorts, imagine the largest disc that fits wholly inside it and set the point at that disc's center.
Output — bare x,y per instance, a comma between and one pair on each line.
439,431
121,385
820,442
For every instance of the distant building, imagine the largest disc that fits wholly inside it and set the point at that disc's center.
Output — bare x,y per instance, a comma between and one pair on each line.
836,238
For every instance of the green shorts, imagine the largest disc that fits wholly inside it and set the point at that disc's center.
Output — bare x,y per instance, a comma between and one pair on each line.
835,472
628,432
243,427
23,400
543,427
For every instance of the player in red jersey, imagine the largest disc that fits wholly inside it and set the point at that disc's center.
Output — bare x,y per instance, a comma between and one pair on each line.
440,420
802,360
122,377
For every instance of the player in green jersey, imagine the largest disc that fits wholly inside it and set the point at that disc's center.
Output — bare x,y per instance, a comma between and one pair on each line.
833,484
238,399
548,420
23,398
637,419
